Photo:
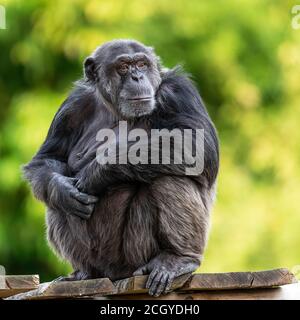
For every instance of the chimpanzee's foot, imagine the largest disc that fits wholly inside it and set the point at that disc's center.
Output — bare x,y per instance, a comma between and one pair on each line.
75,276
163,269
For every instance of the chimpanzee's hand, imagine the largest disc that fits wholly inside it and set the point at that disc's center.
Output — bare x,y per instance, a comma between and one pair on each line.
64,196
82,184
87,180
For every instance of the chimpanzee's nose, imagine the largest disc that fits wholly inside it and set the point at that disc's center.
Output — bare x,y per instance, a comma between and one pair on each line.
136,76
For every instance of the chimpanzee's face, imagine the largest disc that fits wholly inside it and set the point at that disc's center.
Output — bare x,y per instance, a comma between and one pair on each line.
127,76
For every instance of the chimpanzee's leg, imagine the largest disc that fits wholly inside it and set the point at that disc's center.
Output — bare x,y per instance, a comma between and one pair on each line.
183,209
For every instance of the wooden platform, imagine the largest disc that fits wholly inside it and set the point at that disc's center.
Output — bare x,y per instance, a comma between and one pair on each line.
286,292
269,284
11,285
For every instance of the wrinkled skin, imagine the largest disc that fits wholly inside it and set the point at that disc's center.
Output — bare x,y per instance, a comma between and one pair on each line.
68,199
163,269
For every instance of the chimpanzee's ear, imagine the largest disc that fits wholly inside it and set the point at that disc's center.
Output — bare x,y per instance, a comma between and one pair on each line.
90,69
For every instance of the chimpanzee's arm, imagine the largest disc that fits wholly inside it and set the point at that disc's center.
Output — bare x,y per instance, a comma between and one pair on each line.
47,172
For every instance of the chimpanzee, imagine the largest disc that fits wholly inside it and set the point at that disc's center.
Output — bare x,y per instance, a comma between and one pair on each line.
118,220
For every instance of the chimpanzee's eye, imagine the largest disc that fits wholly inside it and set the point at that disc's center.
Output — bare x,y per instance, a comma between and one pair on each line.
123,68
141,65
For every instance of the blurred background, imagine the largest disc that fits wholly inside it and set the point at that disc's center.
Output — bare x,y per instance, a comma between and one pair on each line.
245,59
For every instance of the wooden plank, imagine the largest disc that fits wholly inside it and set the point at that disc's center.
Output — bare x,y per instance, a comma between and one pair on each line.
213,281
68,289
240,280
185,284
135,285
11,284
286,292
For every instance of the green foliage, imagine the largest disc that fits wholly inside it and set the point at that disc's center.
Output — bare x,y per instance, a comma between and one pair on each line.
244,58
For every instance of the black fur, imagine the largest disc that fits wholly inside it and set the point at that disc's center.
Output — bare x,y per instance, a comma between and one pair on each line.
116,220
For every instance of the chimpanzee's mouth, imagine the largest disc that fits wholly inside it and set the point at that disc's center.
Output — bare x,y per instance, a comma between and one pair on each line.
140,99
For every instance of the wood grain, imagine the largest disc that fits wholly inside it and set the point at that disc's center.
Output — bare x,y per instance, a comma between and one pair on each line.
286,292
11,285
135,285
196,286
213,281
68,289
239,280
